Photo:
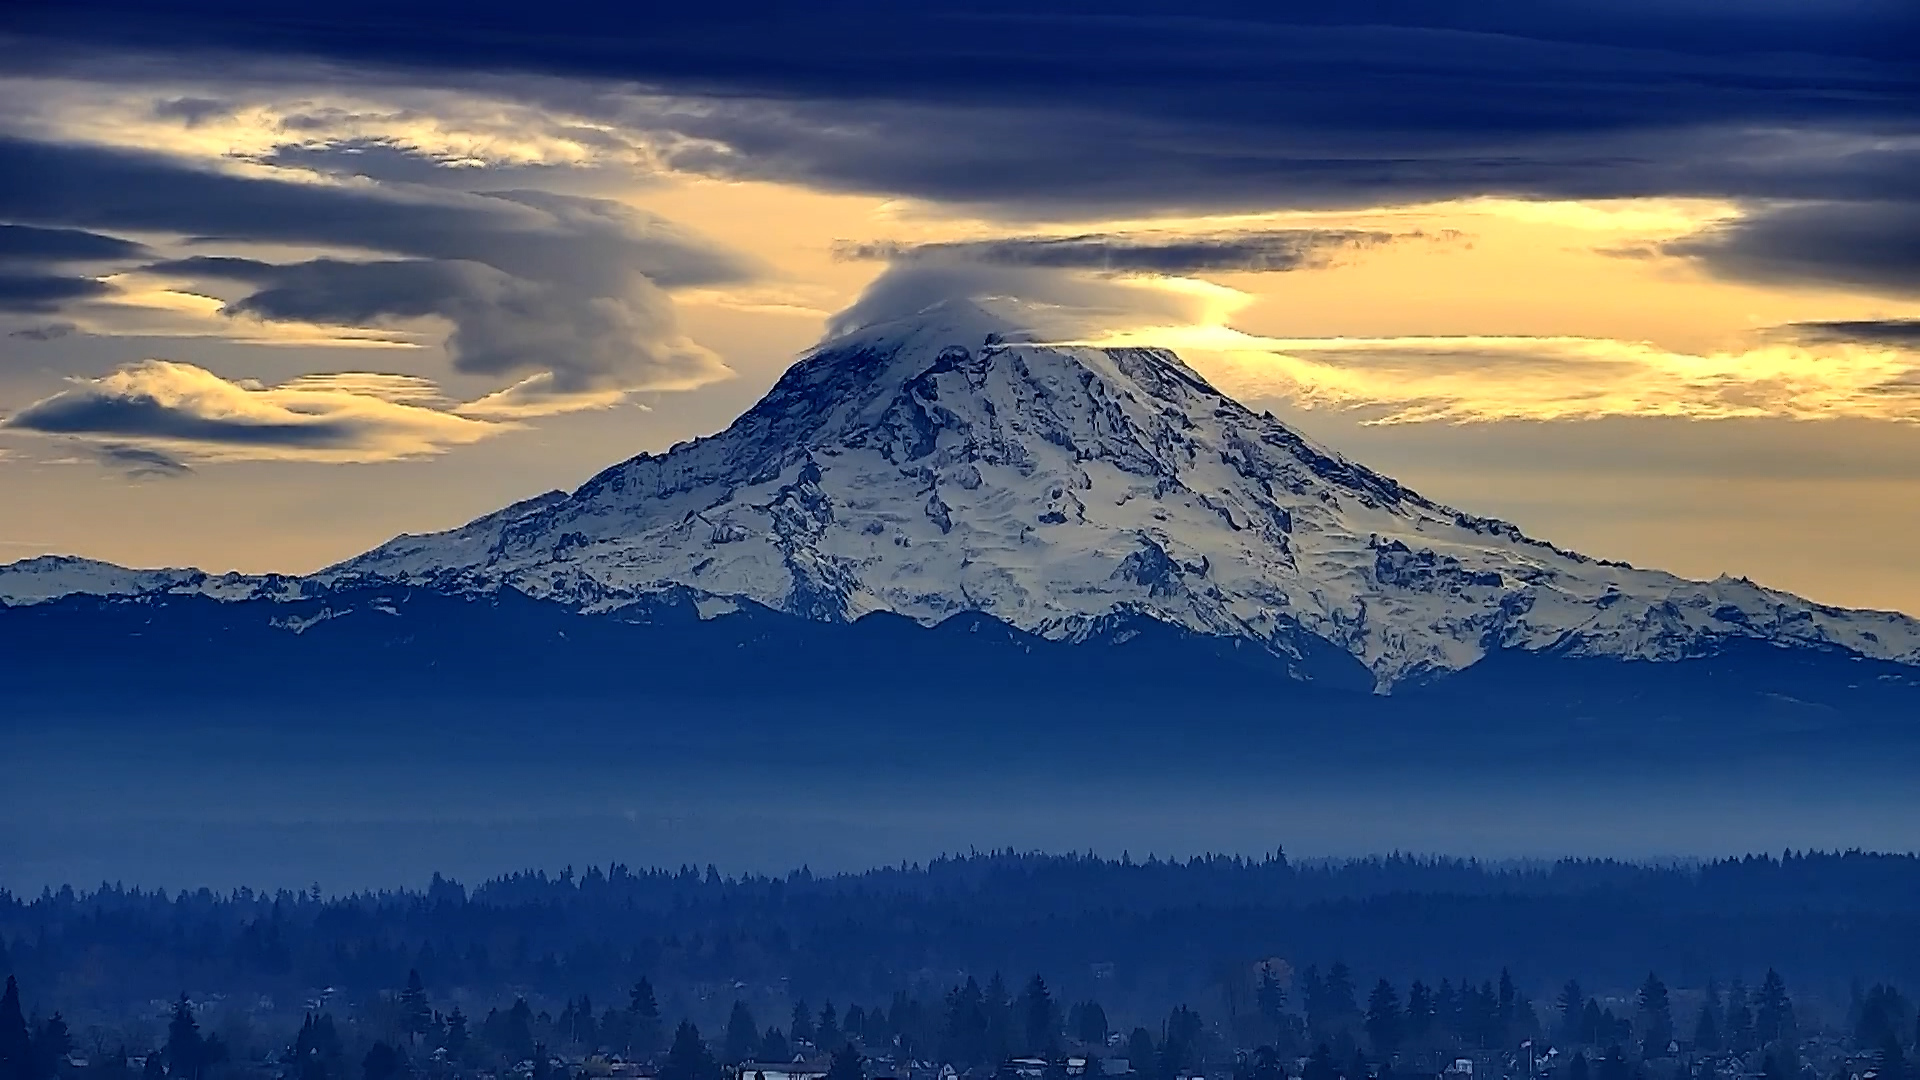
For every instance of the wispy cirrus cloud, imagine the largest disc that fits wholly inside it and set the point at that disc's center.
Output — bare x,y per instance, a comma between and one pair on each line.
1143,252
1492,378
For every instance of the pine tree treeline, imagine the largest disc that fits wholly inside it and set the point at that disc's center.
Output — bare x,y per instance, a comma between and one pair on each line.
1157,923
1333,1035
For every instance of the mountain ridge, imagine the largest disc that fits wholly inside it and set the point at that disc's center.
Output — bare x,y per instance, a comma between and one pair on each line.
956,461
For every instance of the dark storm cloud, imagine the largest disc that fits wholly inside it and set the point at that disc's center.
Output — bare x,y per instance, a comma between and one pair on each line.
1146,102
1253,252
1872,247
1071,109
1900,333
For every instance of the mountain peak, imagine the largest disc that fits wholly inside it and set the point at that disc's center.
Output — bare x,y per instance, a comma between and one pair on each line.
954,461
960,460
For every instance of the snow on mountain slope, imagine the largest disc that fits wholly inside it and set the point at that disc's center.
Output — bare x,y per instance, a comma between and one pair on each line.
49,577
950,463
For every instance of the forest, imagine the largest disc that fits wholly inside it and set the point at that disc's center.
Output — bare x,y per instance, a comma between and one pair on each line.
972,959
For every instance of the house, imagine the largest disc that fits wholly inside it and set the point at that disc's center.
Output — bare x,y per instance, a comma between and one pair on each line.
790,1070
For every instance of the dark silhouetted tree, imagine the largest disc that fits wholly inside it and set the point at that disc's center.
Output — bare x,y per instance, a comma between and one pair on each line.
1141,1052
847,1064
16,1041
1706,1030
1089,1023
1039,1021
1773,1010
51,1045
743,1035
1738,1030
644,1030
1571,1002
1320,1065
826,1033
190,1054
1656,1017
688,1058
800,1029
1383,1018
773,1046
383,1062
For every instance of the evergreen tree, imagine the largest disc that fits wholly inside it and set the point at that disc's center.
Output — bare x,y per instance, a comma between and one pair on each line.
1383,1019
800,1029
965,1034
773,1047
1893,1061
1614,1065
1141,1051
153,1068
1572,1001
456,1037
1341,1001
847,1064
1090,1023
1738,1030
1270,995
183,1042
1180,1042
1578,1069
1320,1065
1773,1010
855,1024
826,1034
1706,1031
1039,1023
383,1062
688,1058
743,1035
1879,1015
1656,1017
189,1054
1313,998
1419,1017
643,1020
1262,1064
51,1045
16,1042
415,1013
1770,1069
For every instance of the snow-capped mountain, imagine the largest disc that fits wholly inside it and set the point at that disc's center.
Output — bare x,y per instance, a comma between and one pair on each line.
949,463
952,463
49,577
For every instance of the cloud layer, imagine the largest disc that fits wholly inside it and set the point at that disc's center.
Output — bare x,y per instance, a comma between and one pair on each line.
1468,379
1251,251
157,413
568,288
